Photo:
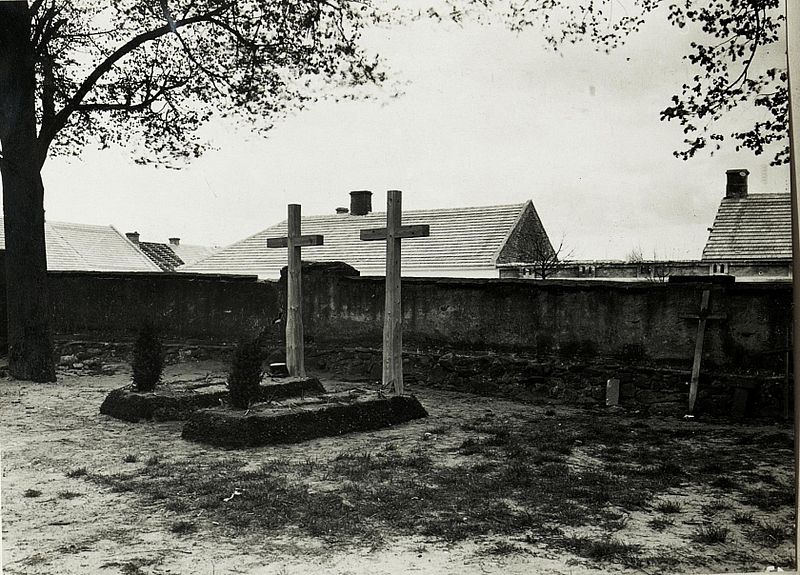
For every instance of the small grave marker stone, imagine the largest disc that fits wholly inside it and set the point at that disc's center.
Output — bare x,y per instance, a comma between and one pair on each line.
612,392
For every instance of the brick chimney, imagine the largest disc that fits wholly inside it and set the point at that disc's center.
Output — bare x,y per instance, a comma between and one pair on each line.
360,202
342,210
174,241
737,184
133,236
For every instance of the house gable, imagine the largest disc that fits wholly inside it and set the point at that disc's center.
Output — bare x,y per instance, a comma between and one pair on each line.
527,241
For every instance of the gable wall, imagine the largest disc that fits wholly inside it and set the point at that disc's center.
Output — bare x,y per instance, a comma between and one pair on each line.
528,242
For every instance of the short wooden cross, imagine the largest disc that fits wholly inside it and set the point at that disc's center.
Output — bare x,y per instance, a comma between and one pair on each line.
702,318
393,315
295,361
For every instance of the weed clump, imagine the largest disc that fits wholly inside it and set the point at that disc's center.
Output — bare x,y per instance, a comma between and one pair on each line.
148,359
77,472
711,534
183,527
246,373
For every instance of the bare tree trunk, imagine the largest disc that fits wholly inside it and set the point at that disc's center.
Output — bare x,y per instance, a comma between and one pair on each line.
29,342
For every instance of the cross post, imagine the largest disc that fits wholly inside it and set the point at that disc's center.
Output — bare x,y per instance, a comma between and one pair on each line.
701,318
393,314
295,361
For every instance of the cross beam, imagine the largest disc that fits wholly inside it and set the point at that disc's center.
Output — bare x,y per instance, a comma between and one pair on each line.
393,315
295,361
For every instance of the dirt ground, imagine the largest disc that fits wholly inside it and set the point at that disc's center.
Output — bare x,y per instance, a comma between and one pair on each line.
77,526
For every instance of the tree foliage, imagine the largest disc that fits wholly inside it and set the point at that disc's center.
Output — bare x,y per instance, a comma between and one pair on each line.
147,74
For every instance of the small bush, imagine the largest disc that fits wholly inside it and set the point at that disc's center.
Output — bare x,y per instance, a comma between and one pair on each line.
32,493
246,373
130,458
148,359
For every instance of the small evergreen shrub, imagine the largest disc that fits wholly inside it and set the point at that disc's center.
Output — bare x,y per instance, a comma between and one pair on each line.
246,373
148,359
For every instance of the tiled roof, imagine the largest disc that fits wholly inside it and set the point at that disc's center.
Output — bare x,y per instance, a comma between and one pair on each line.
161,255
460,238
754,227
191,253
84,247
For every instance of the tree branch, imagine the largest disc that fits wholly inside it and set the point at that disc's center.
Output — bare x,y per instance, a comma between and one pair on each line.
47,134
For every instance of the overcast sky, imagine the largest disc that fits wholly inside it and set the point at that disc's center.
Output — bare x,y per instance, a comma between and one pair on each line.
487,117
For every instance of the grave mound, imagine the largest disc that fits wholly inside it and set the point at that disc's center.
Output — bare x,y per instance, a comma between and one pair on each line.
179,399
298,420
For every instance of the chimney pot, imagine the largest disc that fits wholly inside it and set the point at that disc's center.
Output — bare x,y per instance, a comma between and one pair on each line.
360,202
133,236
342,210
174,241
737,183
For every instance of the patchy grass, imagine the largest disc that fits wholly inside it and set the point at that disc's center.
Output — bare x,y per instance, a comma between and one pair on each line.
743,518
660,523
183,527
604,550
68,494
507,477
769,534
669,507
77,472
714,507
768,499
711,534
503,548
724,482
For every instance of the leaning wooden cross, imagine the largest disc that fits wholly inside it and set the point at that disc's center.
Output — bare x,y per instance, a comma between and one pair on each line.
702,318
295,362
393,315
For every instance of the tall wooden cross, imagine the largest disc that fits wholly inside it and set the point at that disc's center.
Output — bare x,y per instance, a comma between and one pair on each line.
393,315
701,318
295,361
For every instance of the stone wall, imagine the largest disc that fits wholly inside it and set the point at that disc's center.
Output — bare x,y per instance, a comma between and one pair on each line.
186,307
553,339
650,389
644,323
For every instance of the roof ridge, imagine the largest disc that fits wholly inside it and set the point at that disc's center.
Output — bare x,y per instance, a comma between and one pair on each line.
422,210
80,225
